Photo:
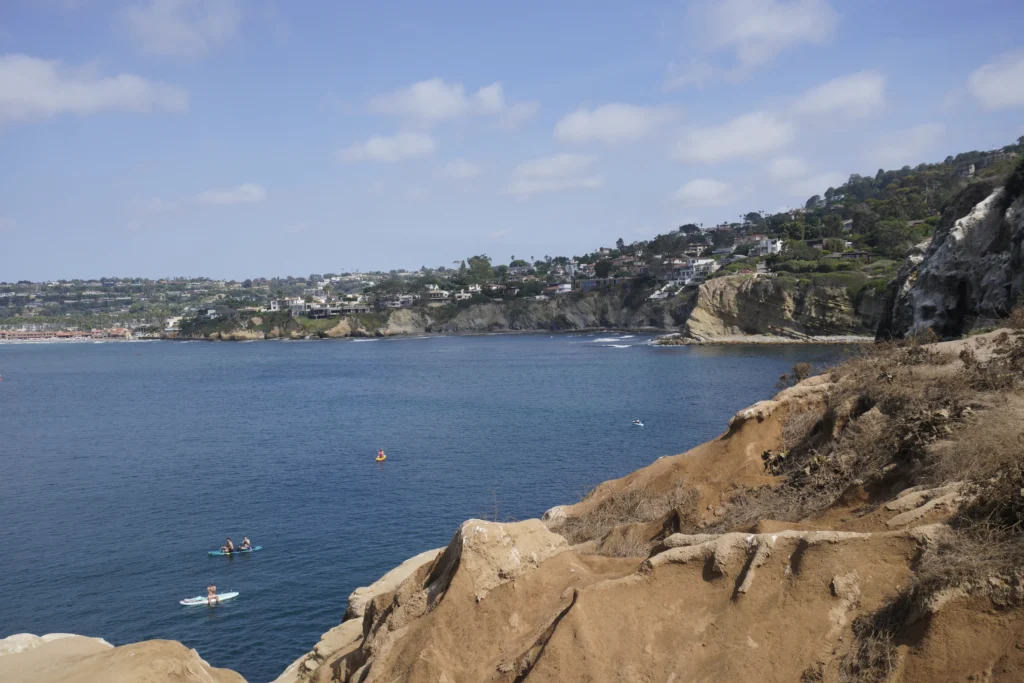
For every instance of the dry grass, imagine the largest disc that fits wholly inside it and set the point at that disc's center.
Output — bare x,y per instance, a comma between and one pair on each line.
628,506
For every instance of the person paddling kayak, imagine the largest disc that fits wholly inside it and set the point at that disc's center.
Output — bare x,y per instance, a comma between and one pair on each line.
246,545
228,547
211,592
380,455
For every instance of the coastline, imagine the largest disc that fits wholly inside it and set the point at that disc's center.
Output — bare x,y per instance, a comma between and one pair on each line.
658,333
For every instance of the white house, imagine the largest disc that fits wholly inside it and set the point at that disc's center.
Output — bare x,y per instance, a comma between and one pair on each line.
767,247
696,271
436,294
463,295
563,288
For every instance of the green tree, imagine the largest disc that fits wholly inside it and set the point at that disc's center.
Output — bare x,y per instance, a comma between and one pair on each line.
602,268
689,229
480,268
619,244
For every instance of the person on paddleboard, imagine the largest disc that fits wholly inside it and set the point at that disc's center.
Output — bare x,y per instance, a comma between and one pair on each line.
228,547
211,592
246,545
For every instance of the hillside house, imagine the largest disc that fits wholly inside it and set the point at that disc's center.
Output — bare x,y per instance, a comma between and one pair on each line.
767,247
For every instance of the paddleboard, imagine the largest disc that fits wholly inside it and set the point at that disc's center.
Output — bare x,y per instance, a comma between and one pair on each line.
202,599
237,552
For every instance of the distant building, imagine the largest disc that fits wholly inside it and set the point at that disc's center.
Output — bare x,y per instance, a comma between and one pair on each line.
602,283
767,247
518,271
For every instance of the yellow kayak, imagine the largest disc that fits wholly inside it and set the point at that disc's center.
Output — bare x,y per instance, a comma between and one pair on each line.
381,458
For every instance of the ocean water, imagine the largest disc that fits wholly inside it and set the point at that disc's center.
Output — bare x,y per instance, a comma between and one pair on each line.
121,464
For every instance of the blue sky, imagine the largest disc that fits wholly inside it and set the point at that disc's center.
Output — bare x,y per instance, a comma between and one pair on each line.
233,138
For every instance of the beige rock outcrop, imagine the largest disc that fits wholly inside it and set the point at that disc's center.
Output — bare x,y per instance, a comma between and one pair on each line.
75,659
743,305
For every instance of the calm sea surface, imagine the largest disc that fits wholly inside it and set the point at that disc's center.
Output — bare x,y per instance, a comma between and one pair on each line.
122,464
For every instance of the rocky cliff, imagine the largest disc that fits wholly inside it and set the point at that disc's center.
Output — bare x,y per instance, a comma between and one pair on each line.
67,658
804,544
972,271
742,305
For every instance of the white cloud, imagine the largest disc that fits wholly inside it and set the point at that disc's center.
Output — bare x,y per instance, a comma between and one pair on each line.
241,194
460,169
787,168
612,123
755,30
853,96
7,224
704,192
745,136
32,88
517,114
434,101
181,28
905,147
554,173
389,150
816,184
1000,84
761,29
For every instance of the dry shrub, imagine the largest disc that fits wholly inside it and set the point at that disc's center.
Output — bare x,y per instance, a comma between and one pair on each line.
991,439
627,506
797,427
785,503
874,658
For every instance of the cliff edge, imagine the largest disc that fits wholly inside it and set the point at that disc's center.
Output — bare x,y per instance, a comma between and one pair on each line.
760,304
859,526
68,658
971,273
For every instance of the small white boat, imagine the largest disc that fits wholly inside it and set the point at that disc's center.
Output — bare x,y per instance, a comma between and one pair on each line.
638,423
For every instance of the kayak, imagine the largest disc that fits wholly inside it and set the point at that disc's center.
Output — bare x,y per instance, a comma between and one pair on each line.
221,553
203,600
381,458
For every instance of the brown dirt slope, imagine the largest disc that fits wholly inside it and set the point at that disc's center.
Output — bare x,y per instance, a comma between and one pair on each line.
861,526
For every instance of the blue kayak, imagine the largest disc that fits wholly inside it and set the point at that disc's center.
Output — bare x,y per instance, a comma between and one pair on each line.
221,553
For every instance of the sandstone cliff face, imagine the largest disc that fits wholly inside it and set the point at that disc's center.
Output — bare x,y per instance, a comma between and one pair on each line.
569,312
779,601
740,305
972,269
67,658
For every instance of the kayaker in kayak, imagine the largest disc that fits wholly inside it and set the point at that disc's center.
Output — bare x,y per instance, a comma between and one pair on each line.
246,545
380,453
211,592
228,547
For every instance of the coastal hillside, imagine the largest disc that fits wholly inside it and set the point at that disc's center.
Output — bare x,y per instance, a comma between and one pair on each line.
971,273
725,307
